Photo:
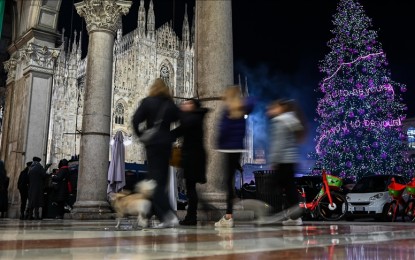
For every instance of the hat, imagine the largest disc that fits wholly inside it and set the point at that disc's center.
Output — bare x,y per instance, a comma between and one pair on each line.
63,162
28,164
36,159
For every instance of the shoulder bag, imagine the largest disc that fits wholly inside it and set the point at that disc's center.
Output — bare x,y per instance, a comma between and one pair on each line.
148,134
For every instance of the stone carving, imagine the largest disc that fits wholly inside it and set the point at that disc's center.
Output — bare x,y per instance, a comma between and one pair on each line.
10,68
102,15
40,57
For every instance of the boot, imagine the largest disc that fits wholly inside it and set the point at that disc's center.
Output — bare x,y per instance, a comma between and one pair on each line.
189,221
22,216
37,216
29,214
2,214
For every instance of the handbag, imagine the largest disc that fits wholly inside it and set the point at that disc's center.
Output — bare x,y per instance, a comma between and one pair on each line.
176,156
148,134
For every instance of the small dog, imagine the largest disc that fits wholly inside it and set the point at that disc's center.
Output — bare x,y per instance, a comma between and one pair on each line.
134,204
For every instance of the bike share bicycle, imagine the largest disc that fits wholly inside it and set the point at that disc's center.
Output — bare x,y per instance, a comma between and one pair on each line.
410,205
397,205
329,204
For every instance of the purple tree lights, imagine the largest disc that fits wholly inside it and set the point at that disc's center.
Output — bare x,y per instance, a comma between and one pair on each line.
360,114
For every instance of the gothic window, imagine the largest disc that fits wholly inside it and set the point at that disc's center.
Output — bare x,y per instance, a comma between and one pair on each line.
119,114
165,74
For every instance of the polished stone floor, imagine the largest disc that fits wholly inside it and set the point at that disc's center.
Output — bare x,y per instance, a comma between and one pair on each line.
74,239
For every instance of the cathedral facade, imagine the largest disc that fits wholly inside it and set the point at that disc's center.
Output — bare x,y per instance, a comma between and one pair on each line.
140,56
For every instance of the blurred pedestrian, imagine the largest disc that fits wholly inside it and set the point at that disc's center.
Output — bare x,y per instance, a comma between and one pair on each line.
4,186
159,105
193,154
37,176
60,191
23,187
231,134
287,130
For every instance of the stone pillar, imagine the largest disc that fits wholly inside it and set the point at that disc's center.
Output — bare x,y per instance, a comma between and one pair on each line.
213,72
101,19
29,87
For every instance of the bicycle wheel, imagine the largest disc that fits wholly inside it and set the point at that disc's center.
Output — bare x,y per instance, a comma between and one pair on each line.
392,211
335,211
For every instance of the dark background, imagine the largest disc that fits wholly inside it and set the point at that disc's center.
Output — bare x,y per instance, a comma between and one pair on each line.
278,45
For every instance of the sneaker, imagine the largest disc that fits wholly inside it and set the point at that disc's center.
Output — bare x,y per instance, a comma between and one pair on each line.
173,222
223,222
293,222
272,219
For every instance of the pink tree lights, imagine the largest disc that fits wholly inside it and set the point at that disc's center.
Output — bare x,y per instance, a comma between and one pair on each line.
361,111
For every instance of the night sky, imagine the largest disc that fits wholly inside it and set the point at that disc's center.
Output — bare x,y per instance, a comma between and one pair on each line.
278,44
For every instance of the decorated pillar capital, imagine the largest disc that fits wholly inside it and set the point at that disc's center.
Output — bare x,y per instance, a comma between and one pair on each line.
39,58
102,15
10,67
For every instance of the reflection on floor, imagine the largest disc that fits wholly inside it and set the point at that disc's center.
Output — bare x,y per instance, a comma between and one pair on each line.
71,239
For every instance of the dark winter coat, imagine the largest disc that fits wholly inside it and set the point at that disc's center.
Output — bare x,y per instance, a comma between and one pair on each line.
147,112
37,175
193,159
23,181
60,192
4,185
158,152
231,132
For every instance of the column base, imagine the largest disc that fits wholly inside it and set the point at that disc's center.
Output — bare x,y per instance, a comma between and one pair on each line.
85,210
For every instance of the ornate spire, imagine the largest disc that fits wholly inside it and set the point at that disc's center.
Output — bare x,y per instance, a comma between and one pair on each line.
151,24
141,23
185,29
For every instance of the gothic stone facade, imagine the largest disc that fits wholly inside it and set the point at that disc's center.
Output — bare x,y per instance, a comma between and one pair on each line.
139,57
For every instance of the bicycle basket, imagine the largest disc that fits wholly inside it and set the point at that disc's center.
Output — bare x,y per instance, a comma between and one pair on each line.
410,187
396,189
334,181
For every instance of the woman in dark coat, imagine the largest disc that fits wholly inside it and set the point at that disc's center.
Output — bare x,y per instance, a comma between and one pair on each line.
60,193
158,151
193,154
4,185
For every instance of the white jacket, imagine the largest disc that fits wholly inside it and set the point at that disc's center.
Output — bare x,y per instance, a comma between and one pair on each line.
283,143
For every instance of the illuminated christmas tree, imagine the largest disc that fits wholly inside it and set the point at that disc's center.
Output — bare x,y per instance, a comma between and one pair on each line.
361,112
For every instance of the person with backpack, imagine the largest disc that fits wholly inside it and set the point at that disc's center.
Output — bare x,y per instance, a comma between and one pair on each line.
286,132
61,188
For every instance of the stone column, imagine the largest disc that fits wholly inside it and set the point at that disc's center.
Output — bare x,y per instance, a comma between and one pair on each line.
213,72
101,19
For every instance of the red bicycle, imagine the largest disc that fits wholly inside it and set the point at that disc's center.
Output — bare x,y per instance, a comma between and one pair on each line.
329,203
410,205
395,191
